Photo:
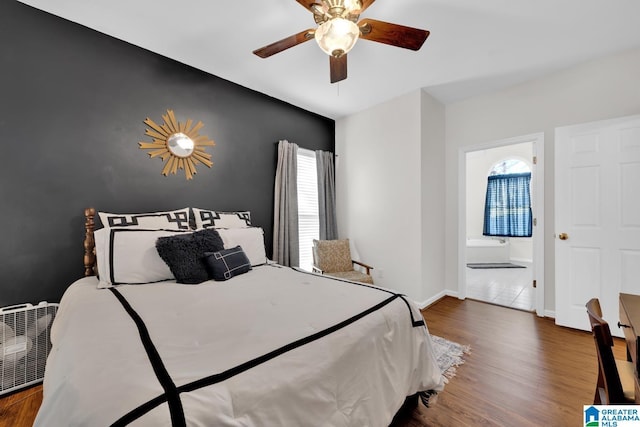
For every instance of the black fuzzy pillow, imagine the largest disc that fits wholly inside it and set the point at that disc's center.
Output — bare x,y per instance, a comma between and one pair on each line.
184,254
227,263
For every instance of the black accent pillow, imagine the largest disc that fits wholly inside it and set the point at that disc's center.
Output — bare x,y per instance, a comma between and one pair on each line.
184,254
227,263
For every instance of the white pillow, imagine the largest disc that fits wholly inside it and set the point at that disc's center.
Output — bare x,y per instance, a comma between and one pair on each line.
129,256
167,220
216,219
250,239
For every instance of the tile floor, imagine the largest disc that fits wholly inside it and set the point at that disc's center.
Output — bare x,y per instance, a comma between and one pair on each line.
510,287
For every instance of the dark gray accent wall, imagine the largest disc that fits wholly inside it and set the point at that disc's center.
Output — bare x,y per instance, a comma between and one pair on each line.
72,105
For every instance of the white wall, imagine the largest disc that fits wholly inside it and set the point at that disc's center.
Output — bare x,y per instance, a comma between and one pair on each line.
601,89
479,164
390,164
378,190
390,192
433,197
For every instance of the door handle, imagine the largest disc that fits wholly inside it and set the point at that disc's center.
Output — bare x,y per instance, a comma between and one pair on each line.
563,236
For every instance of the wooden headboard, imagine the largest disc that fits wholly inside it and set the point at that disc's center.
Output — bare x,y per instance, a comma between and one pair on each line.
90,268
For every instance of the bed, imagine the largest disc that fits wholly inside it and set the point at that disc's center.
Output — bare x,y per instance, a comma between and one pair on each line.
272,346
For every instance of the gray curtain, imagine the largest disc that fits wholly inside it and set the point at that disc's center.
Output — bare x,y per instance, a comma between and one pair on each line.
285,206
326,195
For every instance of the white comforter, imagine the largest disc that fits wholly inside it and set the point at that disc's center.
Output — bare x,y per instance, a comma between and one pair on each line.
357,375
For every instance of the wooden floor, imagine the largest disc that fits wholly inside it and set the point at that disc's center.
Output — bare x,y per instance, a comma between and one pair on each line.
19,409
522,371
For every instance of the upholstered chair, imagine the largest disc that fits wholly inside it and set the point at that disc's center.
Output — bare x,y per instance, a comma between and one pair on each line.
333,258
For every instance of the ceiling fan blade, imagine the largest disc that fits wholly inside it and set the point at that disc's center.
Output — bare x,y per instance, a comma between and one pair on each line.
307,4
338,68
392,34
286,43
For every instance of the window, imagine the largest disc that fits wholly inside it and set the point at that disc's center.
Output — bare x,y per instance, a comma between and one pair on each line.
308,217
508,200
509,166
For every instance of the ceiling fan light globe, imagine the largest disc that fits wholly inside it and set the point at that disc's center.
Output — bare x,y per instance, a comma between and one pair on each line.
337,36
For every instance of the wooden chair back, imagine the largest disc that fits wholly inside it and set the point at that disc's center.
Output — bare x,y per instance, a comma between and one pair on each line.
609,388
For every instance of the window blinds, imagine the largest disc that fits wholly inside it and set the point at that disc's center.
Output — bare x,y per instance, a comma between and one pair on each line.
308,218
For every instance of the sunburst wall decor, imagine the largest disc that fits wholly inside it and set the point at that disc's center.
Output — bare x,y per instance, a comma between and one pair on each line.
178,144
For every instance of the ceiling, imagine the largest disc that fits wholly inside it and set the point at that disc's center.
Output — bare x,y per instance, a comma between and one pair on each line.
475,46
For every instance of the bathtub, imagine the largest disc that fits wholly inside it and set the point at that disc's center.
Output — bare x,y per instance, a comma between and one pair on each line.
486,249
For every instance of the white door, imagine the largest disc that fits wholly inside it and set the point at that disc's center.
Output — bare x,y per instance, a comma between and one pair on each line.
597,228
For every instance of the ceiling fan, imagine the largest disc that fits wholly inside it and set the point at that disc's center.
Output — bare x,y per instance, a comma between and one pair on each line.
338,30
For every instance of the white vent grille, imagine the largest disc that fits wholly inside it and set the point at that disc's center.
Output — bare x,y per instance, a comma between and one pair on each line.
24,344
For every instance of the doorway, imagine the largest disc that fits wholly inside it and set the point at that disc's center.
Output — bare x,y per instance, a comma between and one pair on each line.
507,271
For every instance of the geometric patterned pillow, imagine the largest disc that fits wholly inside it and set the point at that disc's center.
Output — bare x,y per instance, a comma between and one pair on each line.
214,219
169,220
333,255
227,263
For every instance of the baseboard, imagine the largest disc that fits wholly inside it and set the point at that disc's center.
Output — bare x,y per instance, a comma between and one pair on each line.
449,293
437,297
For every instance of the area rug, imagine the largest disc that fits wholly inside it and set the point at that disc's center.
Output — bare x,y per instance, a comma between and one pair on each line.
449,355
493,265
